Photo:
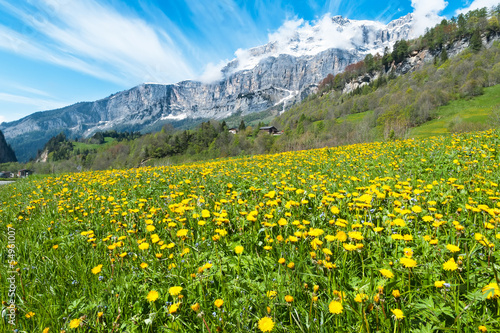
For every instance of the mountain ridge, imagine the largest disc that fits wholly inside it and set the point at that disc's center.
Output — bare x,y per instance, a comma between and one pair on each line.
277,77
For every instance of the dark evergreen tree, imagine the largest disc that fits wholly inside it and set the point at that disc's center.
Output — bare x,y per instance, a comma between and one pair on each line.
444,55
475,41
242,126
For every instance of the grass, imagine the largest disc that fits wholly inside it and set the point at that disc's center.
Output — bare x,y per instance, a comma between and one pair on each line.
92,146
378,237
355,117
472,111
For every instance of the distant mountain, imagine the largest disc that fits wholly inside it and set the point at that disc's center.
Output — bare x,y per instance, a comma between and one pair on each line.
6,152
281,72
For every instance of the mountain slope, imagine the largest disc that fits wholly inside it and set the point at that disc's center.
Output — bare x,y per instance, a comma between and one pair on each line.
283,71
6,152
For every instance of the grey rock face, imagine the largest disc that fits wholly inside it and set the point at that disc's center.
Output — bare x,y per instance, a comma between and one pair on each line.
275,79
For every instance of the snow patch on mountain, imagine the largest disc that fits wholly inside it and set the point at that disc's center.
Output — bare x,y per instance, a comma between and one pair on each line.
300,38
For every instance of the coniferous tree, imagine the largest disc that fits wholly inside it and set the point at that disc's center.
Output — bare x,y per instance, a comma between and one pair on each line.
475,41
444,55
242,126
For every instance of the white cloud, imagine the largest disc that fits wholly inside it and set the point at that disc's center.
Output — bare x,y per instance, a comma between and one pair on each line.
212,72
42,104
298,37
477,4
426,14
2,119
97,40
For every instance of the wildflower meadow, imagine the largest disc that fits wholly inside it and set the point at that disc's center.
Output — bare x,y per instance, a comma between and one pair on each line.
398,236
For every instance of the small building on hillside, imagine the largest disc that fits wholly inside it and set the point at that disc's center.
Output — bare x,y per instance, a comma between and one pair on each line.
233,130
270,129
24,173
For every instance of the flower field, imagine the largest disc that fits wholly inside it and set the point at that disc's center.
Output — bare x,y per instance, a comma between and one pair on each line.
383,237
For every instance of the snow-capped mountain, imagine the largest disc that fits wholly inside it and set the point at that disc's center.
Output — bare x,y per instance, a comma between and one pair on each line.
285,70
299,39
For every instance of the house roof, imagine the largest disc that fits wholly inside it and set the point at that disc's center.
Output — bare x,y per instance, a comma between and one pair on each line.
268,128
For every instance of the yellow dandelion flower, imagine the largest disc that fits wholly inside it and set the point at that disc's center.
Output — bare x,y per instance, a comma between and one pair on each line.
144,265
398,314
272,294
360,298
491,290
408,263
386,273
439,284
452,248
174,291
30,314
218,303
335,307
416,209
289,298
152,296
238,249
144,246
450,265
182,233
75,323
97,269
173,308
266,324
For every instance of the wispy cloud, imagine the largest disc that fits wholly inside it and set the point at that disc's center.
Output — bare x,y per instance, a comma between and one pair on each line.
477,4
426,14
93,38
42,104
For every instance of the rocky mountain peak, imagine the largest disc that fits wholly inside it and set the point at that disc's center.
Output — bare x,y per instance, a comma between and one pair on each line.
276,74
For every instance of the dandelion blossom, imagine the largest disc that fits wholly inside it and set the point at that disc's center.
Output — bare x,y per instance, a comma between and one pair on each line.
218,303
174,291
360,298
398,314
386,273
195,307
75,323
439,284
97,269
452,248
408,263
289,298
144,246
173,308
335,307
152,296
482,328
450,265
266,324
238,249
492,290
182,233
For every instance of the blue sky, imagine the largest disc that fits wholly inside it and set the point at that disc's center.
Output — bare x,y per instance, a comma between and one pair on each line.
58,52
